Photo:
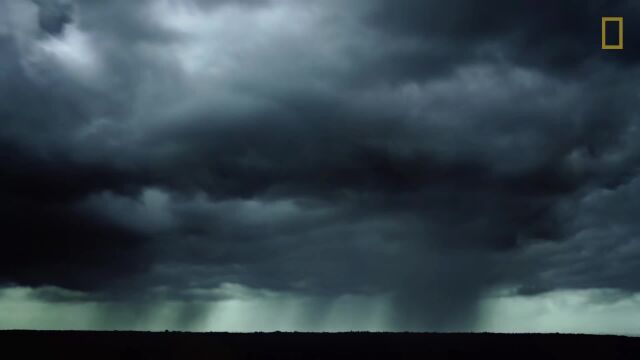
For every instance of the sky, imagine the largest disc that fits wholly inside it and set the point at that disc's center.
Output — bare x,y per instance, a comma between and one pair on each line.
261,165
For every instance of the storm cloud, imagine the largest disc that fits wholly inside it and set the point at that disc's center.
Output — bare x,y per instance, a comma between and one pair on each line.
427,153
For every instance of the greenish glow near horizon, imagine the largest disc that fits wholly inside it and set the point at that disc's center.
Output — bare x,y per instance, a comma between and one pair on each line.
242,310
597,311
593,311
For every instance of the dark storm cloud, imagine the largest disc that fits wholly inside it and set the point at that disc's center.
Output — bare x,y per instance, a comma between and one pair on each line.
559,37
600,255
48,238
426,149
53,15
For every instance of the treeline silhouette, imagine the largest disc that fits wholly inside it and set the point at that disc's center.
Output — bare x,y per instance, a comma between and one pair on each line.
23,344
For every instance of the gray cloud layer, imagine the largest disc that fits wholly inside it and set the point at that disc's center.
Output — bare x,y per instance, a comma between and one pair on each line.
431,151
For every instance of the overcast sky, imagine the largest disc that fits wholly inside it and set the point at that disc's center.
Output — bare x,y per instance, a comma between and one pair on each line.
319,165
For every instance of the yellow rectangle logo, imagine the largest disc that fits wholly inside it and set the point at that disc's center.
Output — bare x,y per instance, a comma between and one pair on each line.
619,45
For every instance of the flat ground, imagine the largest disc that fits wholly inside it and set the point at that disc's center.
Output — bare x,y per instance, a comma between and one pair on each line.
356,345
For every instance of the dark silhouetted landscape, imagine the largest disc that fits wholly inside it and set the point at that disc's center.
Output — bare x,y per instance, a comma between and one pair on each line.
296,345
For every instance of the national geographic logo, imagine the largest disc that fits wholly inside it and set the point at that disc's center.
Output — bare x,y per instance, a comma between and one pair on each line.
620,44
